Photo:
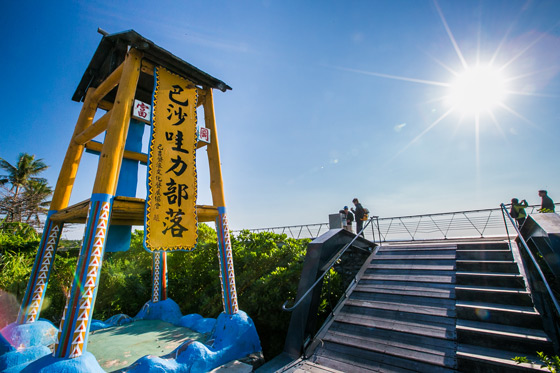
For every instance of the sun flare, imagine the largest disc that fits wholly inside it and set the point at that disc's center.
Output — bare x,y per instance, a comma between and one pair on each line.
477,89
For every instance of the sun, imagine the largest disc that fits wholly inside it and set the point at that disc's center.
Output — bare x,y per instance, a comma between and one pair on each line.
477,89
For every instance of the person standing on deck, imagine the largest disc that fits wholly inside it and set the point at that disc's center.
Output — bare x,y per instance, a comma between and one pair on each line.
547,204
518,211
359,213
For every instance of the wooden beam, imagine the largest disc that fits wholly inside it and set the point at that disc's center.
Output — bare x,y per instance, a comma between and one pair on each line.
95,129
127,154
214,164
105,105
147,67
201,97
108,84
126,211
111,155
67,175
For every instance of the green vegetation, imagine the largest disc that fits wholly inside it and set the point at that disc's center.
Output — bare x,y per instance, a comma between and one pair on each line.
552,364
267,267
22,192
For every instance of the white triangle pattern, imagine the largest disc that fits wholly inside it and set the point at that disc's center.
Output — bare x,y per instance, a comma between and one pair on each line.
77,345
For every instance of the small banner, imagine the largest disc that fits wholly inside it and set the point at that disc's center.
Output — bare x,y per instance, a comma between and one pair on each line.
171,221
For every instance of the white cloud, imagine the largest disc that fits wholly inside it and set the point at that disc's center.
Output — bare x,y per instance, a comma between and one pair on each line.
399,127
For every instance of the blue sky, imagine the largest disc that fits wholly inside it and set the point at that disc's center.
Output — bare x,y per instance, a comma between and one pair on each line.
331,99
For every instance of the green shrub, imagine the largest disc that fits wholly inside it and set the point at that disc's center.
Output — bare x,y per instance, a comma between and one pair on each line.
267,267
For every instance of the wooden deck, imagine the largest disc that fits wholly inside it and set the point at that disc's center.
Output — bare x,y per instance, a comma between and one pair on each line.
411,310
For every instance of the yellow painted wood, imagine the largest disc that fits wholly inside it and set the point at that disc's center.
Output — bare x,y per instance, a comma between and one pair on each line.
109,83
216,182
95,129
126,211
105,105
127,154
113,148
147,67
67,175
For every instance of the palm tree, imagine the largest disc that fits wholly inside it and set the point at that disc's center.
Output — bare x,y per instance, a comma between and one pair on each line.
34,195
25,170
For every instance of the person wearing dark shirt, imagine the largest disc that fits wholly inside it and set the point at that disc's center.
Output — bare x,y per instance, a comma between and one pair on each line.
547,204
348,218
359,213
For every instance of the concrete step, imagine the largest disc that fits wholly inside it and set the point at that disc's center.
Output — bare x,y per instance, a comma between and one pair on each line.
492,294
498,313
484,255
517,339
479,359
492,266
509,280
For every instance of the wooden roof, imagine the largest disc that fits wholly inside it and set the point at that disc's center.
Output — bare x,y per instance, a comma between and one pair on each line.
111,52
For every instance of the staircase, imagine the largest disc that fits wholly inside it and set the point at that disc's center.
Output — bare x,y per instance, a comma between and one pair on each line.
496,319
433,308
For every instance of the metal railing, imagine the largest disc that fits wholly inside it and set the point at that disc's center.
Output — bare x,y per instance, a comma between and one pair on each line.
335,261
483,223
542,294
505,214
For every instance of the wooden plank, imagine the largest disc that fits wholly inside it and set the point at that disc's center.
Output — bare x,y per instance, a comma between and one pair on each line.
418,342
408,284
397,315
416,272
428,330
414,257
418,286
348,365
403,290
427,267
405,299
416,278
384,249
501,329
426,246
373,361
433,357
427,310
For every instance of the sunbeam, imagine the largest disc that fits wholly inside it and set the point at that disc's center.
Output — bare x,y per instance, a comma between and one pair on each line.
451,37
479,86
426,130
507,108
413,80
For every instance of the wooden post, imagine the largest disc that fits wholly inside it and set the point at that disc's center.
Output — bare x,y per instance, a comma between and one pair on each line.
159,276
44,260
65,182
227,274
74,328
37,284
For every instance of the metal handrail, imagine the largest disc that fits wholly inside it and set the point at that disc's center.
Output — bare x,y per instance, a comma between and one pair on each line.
541,274
290,309
446,225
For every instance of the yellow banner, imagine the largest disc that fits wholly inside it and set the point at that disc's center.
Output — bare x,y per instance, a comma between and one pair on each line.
171,221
